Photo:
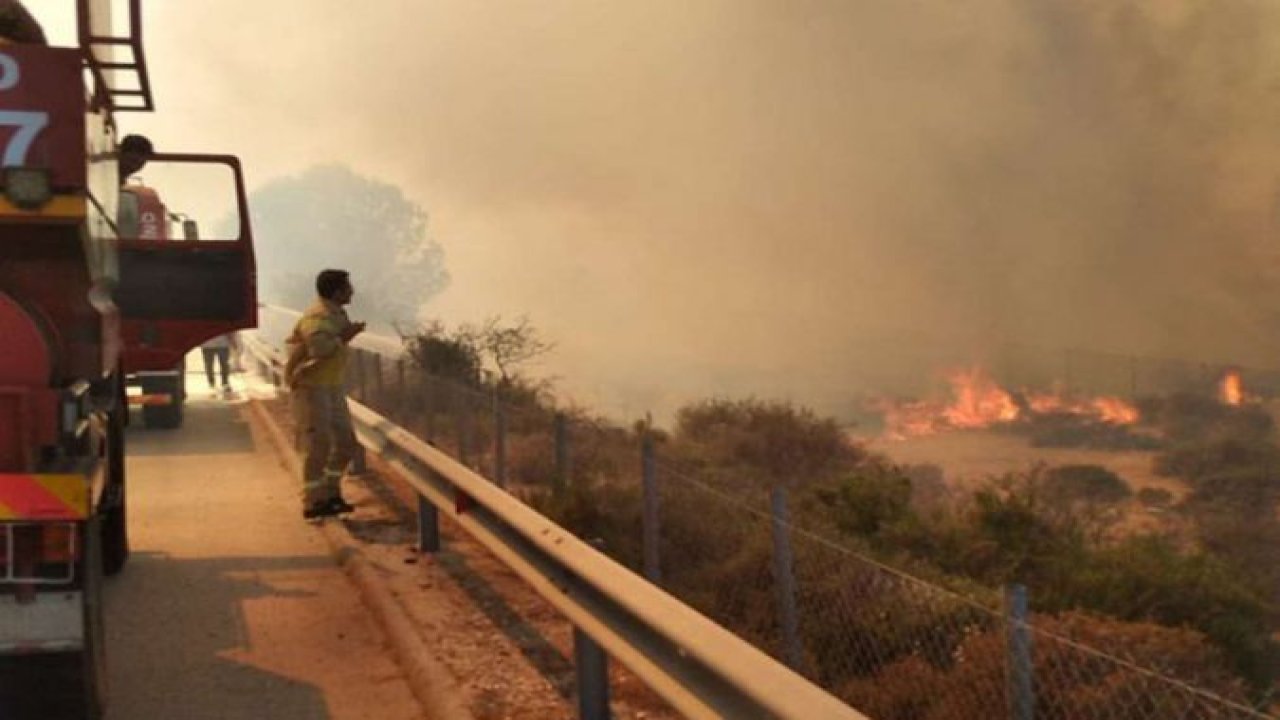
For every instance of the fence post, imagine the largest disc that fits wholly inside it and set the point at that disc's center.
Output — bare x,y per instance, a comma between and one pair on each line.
428,526
651,525
358,355
499,440
784,576
377,381
402,392
429,406
1021,697
562,452
593,677
462,416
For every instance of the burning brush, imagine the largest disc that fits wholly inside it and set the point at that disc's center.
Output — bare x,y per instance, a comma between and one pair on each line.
1051,418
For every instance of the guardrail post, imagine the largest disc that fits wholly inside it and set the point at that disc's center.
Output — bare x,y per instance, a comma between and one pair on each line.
428,526
562,451
593,677
260,363
1021,693
651,520
499,440
784,575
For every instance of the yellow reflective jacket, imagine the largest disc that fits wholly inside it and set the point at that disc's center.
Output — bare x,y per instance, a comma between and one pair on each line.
317,352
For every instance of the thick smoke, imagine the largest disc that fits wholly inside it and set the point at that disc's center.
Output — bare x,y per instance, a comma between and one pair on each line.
782,198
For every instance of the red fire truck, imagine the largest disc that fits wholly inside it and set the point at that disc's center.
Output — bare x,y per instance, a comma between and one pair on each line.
160,395
81,307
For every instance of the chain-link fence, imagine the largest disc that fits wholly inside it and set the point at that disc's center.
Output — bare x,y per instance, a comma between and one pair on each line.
891,644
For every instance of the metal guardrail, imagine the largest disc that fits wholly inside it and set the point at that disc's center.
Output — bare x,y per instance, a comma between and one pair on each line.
270,364
701,669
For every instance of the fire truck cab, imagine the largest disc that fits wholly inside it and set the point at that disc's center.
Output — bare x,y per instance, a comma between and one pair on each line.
88,299
159,395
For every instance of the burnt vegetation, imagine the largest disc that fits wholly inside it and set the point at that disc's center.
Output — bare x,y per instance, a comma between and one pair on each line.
1070,430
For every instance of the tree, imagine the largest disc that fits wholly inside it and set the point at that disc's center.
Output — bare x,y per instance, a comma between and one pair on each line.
467,352
328,216
510,346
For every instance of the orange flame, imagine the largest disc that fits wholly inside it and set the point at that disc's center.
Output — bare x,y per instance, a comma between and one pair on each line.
980,402
1231,388
1043,403
1114,410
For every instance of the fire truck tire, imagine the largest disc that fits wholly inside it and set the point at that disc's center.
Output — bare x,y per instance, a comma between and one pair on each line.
91,660
115,530
115,541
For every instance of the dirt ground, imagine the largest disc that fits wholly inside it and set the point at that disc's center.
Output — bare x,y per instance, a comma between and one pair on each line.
969,458
508,650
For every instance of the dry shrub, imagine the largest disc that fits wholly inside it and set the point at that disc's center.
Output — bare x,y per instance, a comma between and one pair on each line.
607,515
1155,497
1084,483
531,459
1069,430
716,557
929,490
1068,682
772,442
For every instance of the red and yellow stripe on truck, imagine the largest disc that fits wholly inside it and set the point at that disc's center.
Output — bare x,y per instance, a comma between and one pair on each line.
35,497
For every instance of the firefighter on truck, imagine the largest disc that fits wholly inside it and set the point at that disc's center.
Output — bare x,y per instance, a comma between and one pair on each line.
83,305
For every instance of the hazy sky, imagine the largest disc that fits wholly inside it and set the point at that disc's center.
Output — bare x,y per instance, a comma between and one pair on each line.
732,194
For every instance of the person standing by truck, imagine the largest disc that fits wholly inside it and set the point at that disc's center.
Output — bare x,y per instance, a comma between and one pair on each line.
217,350
314,372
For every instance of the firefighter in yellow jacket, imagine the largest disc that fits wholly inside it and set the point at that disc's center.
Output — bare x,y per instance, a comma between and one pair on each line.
314,372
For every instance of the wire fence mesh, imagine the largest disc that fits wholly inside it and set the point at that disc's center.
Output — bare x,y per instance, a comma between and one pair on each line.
890,643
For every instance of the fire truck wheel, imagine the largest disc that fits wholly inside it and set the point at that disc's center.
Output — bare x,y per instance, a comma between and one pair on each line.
91,660
115,530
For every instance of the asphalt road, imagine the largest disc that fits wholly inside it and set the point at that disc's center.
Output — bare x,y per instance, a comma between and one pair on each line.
231,607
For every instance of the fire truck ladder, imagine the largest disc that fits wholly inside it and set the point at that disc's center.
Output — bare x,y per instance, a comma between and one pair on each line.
118,64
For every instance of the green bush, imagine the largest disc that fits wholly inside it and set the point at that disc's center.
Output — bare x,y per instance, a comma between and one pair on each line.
1149,579
865,503
768,443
